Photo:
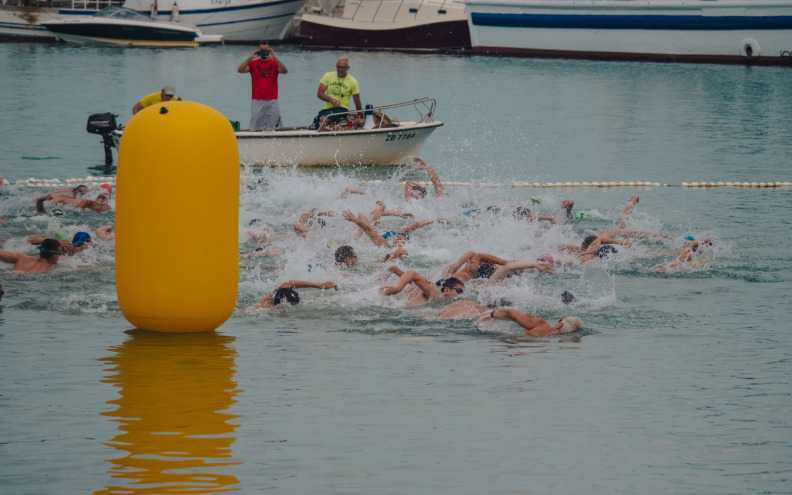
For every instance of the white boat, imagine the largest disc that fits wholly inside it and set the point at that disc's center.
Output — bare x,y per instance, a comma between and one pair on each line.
236,20
700,31
123,27
415,25
386,141
23,22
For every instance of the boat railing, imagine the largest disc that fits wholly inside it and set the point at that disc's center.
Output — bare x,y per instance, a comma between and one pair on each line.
424,107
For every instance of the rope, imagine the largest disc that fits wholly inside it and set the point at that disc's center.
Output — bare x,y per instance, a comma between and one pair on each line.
95,181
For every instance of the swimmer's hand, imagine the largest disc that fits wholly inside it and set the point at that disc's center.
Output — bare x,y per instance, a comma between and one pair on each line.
545,267
390,290
328,285
420,162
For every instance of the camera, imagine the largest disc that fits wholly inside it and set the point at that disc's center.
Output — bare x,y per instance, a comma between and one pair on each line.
263,53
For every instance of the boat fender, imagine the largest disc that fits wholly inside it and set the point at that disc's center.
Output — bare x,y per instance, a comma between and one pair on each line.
175,12
169,279
749,48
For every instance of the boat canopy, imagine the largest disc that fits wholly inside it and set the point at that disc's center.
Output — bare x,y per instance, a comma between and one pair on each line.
122,13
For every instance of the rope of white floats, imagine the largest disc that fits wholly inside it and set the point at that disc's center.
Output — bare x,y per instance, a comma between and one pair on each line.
96,181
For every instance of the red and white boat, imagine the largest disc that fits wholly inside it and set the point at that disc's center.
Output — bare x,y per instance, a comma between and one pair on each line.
409,25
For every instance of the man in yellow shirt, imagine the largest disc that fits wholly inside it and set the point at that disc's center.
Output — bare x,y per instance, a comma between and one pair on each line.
168,93
335,89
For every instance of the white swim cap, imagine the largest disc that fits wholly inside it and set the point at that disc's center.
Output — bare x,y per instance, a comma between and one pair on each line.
571,324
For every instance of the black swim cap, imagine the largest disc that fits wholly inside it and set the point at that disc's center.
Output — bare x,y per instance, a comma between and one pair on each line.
289,295
605,251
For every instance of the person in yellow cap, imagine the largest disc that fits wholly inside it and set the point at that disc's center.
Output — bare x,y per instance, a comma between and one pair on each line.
168,93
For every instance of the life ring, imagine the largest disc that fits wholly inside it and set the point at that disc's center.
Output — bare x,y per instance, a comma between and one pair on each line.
749,48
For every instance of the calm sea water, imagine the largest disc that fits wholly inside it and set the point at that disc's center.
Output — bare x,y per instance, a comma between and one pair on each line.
680,382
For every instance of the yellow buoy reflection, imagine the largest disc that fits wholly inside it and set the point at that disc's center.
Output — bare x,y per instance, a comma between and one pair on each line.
175,391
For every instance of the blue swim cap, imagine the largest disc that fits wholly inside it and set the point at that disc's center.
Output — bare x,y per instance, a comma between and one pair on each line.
80,238
468,213
689,238
387,235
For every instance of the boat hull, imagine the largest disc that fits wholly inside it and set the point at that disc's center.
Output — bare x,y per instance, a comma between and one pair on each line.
236,21
446,32
239,21
89,32
716,31
387,146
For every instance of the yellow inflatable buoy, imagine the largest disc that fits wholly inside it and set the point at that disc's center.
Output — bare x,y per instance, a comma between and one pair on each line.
177,210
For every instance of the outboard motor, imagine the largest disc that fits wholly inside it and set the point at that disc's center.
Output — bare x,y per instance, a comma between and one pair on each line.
103,124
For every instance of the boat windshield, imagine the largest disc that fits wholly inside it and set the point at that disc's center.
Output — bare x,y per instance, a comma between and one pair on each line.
121,13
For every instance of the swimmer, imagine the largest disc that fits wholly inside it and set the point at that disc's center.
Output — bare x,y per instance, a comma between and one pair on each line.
474,265
595,247
71,192
533,325
255,230
522,212
413,190
399,254
307,219
98,205
286,293
427,291
345,256
383,240
49,253
80,242
685,259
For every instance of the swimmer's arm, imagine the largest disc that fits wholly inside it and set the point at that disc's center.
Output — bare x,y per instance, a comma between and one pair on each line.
408,277
35,240
546,218
509,314
417,225
398,254
350,190
611,240
627,212
455,266
9,257
489,258
396,270
40,203
518,266
409,191
396,213
376,213
301,284
438,186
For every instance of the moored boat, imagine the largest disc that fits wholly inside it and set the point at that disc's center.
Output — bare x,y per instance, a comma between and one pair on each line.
123,27
238,21
381,140
713,31
416,25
